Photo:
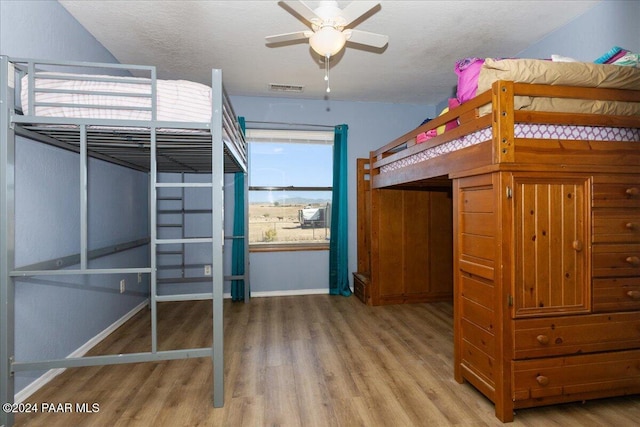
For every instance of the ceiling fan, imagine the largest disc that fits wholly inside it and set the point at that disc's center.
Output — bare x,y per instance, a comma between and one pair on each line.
329,28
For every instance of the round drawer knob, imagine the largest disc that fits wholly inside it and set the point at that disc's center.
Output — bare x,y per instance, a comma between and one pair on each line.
543,339
633,191
634,295
542,380
577,245
633,260
631,226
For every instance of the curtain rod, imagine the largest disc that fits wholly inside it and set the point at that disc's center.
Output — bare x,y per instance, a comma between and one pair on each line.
289,124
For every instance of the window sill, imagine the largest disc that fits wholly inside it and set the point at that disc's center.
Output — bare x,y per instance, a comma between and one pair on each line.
288,247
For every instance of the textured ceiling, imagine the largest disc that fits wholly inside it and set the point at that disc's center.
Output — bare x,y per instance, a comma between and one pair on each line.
186,39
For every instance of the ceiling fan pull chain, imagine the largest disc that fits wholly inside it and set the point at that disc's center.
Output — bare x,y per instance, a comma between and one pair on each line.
326,72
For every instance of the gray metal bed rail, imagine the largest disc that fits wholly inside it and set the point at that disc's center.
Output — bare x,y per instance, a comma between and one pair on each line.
121,140
153,146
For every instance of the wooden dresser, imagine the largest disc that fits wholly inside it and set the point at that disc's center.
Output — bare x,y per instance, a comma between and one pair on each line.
547,286
405,242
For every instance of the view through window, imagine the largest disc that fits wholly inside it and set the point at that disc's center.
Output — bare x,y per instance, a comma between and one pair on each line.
290,178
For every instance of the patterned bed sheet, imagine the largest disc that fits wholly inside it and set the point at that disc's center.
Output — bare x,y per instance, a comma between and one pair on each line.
521,130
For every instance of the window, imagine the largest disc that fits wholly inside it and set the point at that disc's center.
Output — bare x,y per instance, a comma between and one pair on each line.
290,178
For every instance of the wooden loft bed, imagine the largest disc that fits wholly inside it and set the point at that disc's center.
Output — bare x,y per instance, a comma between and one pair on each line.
142,123
545,241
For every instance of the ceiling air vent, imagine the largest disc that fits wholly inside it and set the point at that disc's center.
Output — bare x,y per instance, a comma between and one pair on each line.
275,87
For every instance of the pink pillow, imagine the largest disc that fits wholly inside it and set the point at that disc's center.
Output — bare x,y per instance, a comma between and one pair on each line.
425,136
468,70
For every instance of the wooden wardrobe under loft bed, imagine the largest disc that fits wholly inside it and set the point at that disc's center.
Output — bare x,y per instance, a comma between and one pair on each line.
405,242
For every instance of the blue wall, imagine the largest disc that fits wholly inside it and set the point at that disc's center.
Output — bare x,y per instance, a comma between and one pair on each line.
43,29
56,315
610,23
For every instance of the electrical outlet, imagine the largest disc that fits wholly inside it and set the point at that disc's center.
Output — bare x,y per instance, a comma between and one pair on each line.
207,270
122,286
139,277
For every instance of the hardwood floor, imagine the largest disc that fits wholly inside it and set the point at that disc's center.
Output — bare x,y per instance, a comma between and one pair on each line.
315,360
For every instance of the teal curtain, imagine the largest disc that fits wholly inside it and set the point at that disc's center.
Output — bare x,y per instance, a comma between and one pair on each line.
237,247
338,241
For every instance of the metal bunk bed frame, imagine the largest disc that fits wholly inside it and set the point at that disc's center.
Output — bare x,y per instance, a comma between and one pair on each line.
216,147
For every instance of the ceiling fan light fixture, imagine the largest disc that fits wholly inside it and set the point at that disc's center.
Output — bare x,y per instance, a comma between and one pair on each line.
327,41
328,23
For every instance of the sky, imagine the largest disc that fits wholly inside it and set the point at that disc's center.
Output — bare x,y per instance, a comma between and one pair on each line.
286,164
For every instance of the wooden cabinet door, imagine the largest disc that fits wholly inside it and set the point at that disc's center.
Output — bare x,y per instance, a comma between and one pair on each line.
412,240
551,245
390,278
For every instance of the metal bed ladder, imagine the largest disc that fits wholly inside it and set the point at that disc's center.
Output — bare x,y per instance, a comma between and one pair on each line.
216,186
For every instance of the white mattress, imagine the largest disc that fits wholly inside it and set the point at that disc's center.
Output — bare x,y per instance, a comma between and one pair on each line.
521,130
177,100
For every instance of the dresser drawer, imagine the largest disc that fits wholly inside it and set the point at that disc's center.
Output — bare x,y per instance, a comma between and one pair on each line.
558,336
616,294
616,191
616,226
616,260
591,375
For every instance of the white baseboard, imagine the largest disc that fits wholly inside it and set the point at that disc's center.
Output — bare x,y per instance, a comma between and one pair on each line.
81,351
289,293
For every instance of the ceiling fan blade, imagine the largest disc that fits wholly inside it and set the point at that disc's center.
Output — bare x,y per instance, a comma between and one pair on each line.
356,9
367,38
287,37
302,9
